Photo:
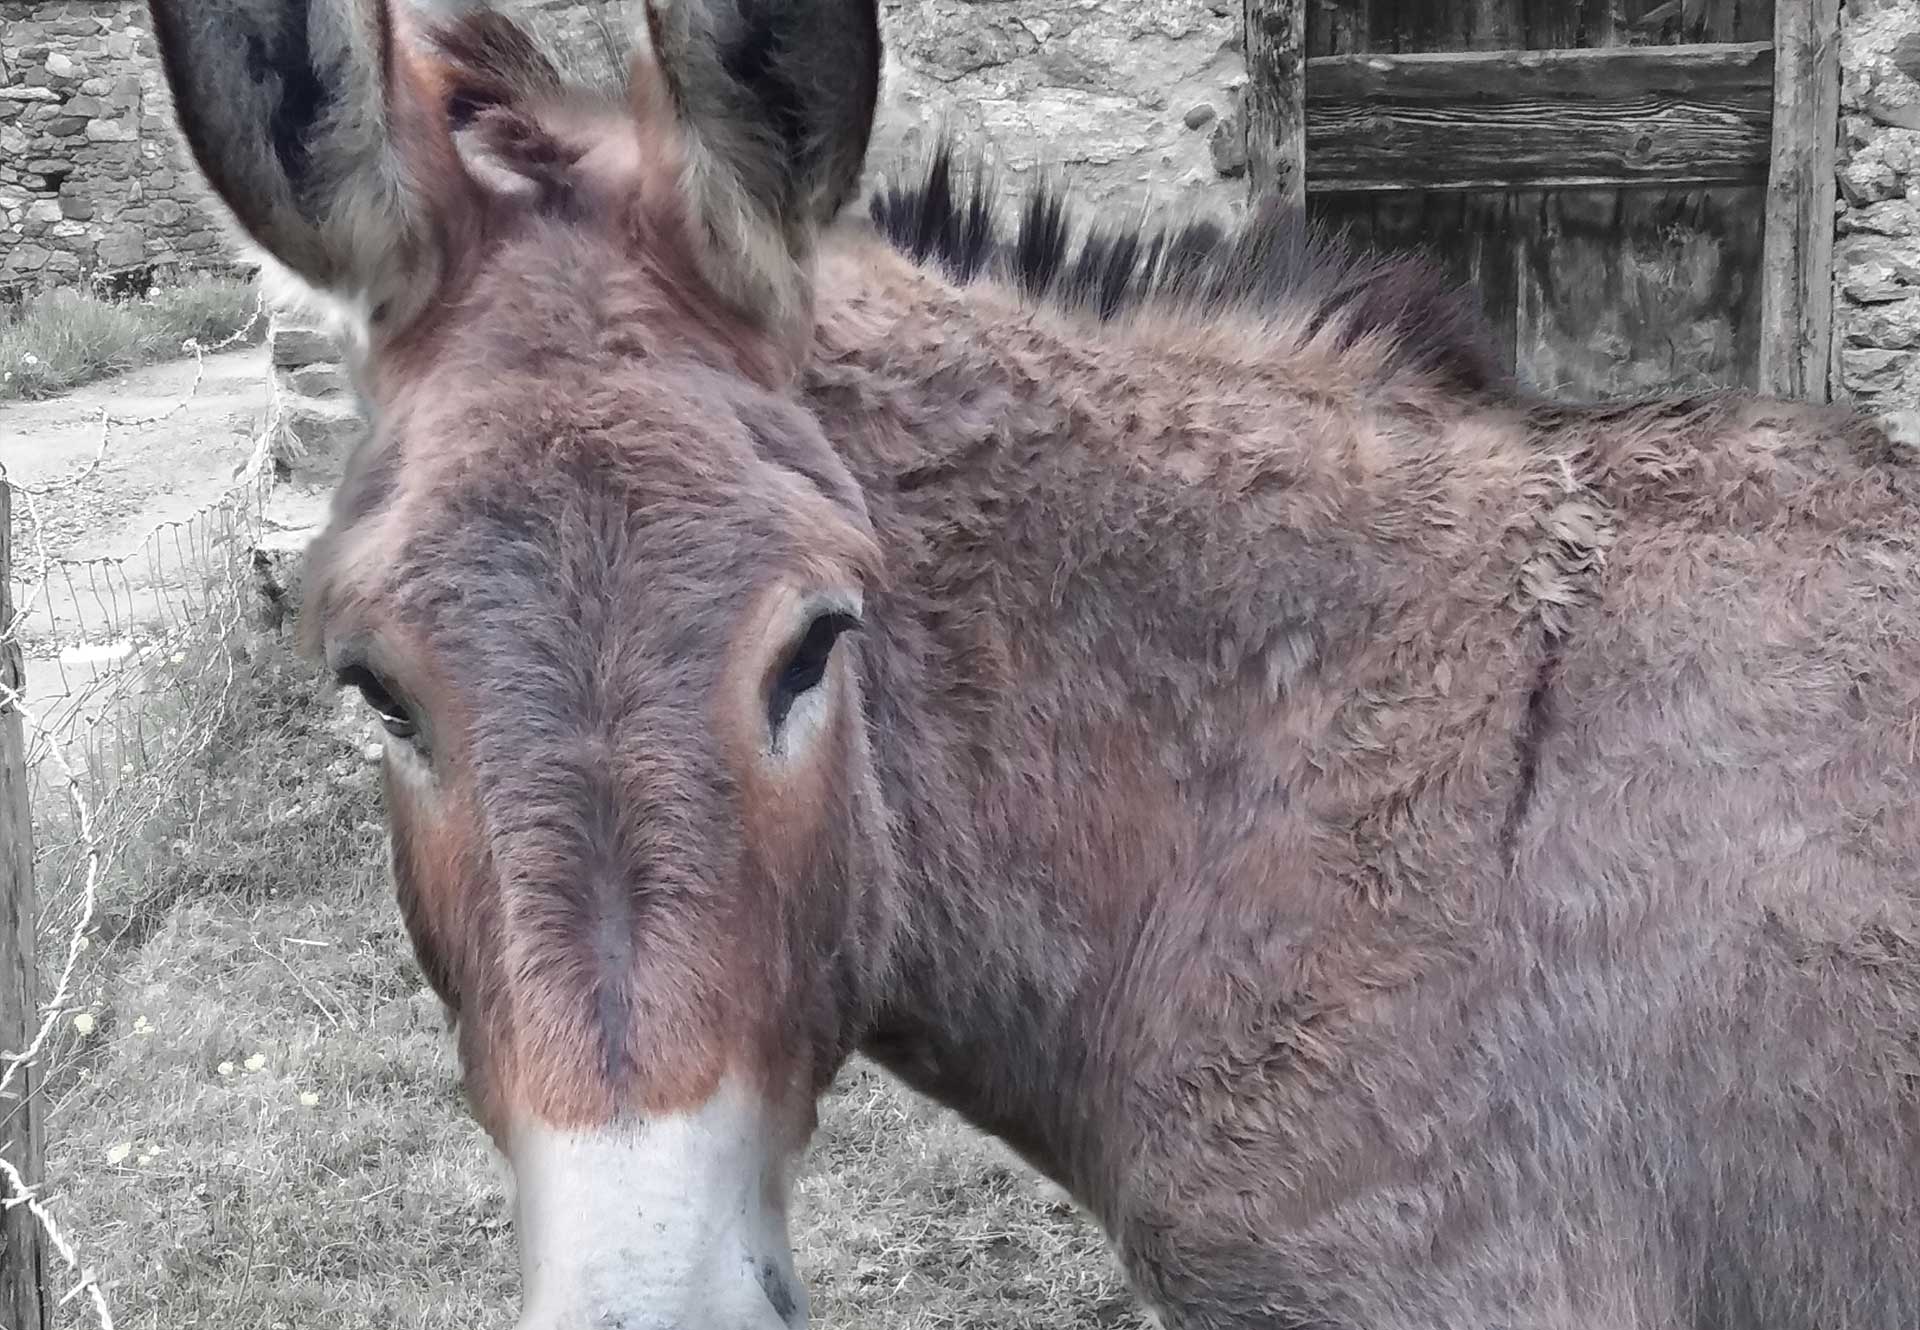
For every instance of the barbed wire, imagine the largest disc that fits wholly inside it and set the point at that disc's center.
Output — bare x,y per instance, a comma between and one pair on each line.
93,732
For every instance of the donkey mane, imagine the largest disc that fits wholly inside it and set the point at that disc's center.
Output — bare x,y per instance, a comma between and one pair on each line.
1275,258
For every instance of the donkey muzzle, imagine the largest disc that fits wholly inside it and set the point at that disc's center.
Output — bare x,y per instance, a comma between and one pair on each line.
672,1222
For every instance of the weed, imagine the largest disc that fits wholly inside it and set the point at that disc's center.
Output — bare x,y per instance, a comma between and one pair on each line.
56,341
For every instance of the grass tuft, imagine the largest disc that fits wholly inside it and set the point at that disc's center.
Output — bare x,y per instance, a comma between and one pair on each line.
56,341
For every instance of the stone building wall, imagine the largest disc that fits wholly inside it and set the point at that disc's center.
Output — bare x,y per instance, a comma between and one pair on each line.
91,179
1877,251
1127,102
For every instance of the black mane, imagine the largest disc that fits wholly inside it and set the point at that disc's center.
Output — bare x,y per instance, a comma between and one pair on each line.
1274,258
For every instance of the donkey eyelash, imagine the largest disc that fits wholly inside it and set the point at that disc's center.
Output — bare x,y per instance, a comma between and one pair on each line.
806,664
393,713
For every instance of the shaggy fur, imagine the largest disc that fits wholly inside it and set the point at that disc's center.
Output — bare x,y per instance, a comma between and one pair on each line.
1404,857
1274,261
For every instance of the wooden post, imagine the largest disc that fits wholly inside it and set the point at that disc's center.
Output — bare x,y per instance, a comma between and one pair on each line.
1796,281
1276,108
22,1256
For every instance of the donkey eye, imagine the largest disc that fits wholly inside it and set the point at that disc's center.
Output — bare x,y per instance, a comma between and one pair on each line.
807,665
393,714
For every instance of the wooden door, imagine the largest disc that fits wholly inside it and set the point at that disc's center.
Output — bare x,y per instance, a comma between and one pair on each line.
1640,190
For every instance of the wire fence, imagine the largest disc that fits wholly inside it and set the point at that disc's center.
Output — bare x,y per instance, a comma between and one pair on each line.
130,665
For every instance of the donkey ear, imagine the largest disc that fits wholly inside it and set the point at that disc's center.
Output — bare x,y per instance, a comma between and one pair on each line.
778,97
307,121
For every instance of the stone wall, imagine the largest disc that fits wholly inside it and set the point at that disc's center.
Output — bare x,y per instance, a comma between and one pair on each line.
90,174
1877,253
1129,103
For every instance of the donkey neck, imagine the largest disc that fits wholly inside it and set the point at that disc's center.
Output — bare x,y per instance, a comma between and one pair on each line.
1134,582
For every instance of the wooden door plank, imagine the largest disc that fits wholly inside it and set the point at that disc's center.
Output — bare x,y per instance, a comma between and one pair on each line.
1276,45
1466,77
1522,119
1656,287
1797,273
1626,293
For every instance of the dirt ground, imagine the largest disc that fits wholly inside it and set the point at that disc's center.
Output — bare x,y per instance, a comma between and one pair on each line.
151,473
154,473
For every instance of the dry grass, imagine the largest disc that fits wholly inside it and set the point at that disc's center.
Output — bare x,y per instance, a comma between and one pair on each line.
54,342
263,1128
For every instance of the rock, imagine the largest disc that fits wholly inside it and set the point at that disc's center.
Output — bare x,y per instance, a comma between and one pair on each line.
293,520
1866,369
28,258
112,131
315,437
1895,327
122,249
1876,293
1228,146
294,345
1199,116
1868,180
1903,427
321,379
1896,217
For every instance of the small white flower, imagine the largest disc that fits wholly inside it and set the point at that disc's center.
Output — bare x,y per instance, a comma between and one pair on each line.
29,359
225,1069
83,1023
256,1061
118,1154
308,1099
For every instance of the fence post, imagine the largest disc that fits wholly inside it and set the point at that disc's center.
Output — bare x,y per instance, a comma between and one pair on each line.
1276,105
1796,279
22,1255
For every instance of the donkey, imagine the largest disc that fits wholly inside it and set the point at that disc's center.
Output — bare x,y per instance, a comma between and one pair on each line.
1404,855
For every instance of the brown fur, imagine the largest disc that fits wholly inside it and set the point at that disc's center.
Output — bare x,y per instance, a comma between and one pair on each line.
1402,856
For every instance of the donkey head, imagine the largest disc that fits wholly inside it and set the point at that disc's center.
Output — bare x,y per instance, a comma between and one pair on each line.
596,570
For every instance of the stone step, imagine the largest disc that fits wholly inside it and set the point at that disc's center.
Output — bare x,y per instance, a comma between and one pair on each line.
321,379
314,436
296,344
293,520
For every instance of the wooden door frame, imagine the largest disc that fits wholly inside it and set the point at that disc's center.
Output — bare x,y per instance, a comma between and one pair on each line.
1733,113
